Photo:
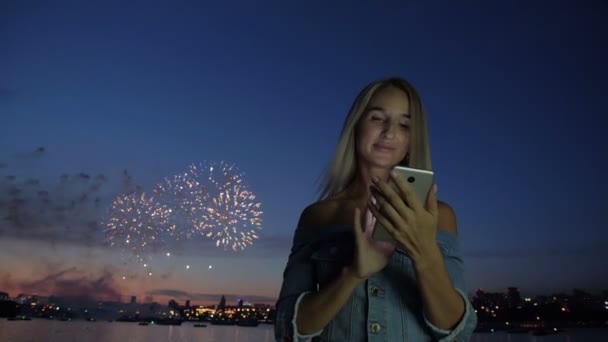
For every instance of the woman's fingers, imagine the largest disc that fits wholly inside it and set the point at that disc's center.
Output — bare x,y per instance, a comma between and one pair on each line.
390,195
380,218
431,201
391,214
357,229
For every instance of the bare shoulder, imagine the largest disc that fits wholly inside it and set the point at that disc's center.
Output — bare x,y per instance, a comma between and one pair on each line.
447,217
320,213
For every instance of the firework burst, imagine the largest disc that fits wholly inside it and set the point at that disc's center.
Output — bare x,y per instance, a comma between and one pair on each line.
185,196
138,224
209,200
230,214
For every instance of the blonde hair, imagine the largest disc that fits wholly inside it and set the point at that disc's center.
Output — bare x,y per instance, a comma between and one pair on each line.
341,171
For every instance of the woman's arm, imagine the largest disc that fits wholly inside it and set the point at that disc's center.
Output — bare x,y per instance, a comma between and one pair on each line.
317,309
302,311
440,274
443,306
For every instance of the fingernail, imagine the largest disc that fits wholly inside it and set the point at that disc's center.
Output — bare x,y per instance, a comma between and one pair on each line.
375,179
434,188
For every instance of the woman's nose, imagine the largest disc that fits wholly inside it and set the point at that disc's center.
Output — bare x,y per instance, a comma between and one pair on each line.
389,130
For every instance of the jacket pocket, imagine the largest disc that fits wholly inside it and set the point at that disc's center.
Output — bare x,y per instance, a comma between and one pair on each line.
329,260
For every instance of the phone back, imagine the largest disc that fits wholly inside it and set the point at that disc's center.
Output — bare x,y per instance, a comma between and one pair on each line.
420,181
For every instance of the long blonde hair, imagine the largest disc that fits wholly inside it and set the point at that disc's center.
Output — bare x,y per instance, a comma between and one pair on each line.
341,171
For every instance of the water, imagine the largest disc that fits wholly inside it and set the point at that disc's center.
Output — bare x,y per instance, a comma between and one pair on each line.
79,331
571,335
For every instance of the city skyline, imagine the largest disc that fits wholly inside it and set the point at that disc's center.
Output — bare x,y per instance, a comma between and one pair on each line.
511,294
89,91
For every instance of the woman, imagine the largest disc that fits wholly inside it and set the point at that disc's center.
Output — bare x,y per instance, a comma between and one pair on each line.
341,285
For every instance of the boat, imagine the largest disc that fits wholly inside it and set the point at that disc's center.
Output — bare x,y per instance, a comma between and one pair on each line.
545,332
126,319
200,325
248,322
222,320
484,330
518,331
168,321
144,323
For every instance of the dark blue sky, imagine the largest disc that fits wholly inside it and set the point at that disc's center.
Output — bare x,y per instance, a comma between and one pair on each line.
515,94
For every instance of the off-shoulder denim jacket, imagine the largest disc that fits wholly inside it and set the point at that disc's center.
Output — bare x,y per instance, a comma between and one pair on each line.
387,307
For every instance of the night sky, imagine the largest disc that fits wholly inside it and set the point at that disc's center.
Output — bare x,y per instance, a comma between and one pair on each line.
515,94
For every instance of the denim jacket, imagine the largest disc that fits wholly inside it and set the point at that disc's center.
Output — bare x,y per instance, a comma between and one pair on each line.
387,307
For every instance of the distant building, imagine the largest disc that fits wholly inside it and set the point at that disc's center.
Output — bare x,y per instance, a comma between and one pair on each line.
239,303
188,303
4,296
222,304
133,299
513,297
25,299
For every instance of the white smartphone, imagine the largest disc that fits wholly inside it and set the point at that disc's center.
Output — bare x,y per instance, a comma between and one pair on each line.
420,181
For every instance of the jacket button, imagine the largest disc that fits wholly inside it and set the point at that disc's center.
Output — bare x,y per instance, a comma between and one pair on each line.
375,291
375,327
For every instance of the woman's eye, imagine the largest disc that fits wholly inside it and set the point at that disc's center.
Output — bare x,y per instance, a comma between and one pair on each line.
377,118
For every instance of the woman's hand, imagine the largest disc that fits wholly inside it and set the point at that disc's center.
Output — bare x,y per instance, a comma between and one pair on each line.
413,225
370,256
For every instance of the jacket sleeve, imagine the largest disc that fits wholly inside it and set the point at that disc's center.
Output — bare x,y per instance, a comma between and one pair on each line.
298,281
454,264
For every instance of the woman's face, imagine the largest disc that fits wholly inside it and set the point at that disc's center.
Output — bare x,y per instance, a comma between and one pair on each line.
383,132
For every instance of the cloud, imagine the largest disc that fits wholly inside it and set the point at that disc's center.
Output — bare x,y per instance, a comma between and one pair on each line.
67,208
209,297
68,282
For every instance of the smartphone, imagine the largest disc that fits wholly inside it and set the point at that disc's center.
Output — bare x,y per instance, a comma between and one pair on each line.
420,181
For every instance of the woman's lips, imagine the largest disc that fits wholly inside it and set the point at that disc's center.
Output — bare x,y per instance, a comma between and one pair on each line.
383,148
